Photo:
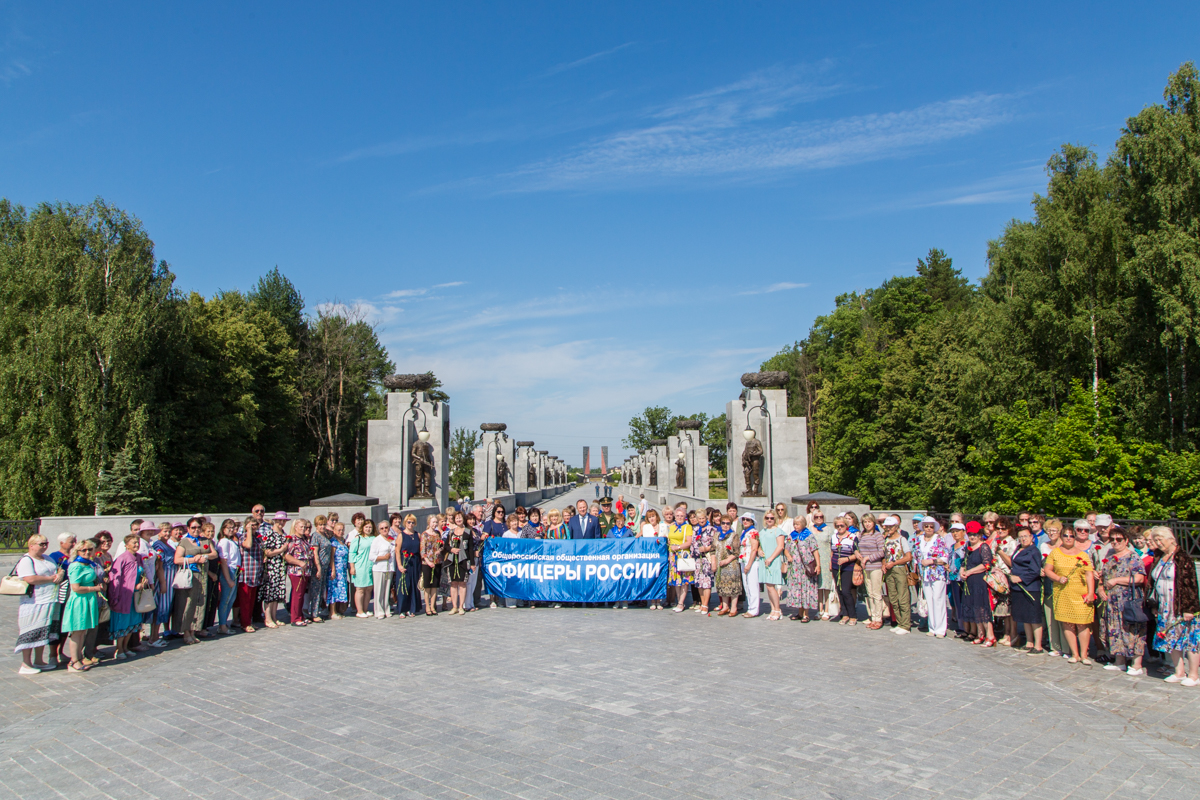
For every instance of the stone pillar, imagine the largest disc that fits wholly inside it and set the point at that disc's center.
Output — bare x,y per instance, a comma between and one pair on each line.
762,407
487,478
412,418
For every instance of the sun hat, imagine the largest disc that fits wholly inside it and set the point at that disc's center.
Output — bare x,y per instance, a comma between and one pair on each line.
747,515
281,516
147,526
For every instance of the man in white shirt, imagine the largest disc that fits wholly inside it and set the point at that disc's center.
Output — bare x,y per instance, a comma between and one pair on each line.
643,506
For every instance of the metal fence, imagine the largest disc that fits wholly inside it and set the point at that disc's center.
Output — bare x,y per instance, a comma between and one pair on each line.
14,533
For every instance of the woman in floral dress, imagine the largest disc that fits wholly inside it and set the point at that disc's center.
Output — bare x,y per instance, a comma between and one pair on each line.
679,539
1122,578
804,568
702,551
272,588
336,592
727,578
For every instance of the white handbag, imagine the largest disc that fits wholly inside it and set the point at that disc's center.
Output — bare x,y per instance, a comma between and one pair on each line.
144,601
832,606
685,563
183,579
12,585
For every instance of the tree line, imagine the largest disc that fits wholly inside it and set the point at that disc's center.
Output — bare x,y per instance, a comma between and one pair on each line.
120,393
1064,380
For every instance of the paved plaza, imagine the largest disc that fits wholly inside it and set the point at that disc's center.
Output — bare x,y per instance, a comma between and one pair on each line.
591,703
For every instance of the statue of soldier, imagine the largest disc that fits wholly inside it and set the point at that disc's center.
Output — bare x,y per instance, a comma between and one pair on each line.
752,458
653,474
532,476
502,475
680,473
422,464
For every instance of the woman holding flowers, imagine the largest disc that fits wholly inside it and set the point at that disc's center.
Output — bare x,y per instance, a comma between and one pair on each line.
1069,567
1178,630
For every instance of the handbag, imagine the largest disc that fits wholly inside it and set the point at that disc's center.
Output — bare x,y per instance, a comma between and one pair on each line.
833,607
144,601
1133,610
12,585
685,563
914,577
183,579
997,581
856,576
105,611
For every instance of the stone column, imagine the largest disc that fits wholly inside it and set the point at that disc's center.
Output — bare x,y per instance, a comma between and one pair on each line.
762,408
487,465
412,419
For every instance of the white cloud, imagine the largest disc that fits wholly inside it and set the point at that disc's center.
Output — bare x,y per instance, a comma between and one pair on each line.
447,285
744,130
406,293
776,287
585,60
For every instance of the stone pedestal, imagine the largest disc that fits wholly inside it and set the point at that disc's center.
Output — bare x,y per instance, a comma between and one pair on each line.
390,473
346,506
784,440
495,442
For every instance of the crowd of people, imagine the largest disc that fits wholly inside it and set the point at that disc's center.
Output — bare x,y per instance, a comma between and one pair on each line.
1088,591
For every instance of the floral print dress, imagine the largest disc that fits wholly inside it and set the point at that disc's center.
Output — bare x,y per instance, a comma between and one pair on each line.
1122,638
802,580
704,568
339,573
272,588
728,579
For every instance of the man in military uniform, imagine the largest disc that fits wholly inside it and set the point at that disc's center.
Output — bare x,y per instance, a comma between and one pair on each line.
607,518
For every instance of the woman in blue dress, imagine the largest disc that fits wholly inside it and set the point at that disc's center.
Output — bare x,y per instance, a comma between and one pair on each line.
164,593
336,592
408,569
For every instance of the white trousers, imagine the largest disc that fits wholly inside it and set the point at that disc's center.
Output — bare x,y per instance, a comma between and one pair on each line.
750,584
383,591
934,593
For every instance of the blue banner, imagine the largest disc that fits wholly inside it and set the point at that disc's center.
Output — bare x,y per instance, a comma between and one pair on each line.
576,570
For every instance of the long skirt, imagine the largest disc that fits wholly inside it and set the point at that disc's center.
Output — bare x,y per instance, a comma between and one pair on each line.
408,595
35,625
123,624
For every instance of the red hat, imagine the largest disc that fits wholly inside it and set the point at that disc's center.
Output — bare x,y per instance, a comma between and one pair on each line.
974,527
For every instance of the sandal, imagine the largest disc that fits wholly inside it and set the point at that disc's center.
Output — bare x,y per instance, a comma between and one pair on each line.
77,666
852,623
804,619
748,615
843,621
989,643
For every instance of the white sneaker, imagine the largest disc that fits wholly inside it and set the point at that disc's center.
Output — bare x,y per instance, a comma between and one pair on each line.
24,670
1173,678
900,631
1113,668
558,605
494,604
1189,682
1135,672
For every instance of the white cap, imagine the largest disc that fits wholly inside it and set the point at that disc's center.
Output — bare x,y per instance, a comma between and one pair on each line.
747,515
1103,520
958,526
891,519
1082,525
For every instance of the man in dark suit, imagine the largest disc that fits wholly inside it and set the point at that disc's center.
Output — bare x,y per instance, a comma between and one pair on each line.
583,525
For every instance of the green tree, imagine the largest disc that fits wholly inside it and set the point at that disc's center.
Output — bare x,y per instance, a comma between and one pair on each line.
656,422
87,309
713,435
120,489
462,459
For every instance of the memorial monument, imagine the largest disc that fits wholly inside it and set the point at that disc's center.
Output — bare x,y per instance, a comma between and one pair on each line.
408,454
767,449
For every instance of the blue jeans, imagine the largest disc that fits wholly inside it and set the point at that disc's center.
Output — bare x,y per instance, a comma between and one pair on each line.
225,603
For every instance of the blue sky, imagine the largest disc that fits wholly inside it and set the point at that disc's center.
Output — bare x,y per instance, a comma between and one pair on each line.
570,212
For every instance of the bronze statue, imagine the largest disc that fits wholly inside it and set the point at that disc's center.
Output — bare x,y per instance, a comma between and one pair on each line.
546,474
653,474
422,464
502,475
680,473
638,475
752,458
532,476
